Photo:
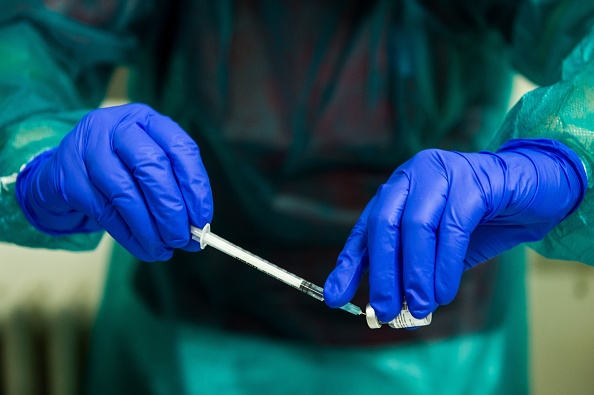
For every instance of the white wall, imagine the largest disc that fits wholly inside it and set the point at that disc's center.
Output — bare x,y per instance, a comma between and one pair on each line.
562,326
49,278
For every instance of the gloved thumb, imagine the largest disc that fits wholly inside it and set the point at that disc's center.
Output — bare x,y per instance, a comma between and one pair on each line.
353,262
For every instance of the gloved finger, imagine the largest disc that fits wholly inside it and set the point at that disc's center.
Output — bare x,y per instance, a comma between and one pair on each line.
151,170
462,214
109,175
115,225
95,205
192,246
353,262
424,208
187,165
384,232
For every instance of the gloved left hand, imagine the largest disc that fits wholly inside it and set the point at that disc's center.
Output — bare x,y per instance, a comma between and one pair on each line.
443,212
128,170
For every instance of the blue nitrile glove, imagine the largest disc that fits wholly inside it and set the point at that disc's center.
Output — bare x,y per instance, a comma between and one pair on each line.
128,170
443,212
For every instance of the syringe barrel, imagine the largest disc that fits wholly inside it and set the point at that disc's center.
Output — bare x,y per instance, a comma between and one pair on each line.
205,237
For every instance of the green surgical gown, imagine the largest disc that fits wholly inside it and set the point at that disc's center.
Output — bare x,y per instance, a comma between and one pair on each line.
301,110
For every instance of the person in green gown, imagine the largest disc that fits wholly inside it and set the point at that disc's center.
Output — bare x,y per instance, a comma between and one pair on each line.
363,145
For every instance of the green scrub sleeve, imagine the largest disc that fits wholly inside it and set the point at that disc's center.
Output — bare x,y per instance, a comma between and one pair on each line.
53,70
553,45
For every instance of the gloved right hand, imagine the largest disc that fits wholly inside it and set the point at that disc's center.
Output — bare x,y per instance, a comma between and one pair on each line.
443,212
128,170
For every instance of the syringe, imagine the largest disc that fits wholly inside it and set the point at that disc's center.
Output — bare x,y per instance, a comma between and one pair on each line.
205,237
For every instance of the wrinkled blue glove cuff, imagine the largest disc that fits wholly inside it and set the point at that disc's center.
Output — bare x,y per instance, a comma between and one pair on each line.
569,160
64,222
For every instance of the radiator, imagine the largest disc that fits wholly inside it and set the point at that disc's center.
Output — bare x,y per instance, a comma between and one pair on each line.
43,341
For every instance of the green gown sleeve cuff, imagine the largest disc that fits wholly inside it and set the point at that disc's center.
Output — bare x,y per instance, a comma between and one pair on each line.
563,111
